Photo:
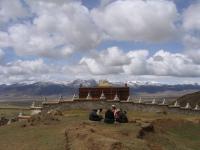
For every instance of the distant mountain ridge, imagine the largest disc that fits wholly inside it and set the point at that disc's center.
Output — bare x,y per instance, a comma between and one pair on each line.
70,87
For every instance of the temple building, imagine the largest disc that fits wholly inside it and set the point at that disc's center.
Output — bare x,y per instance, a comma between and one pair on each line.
104,91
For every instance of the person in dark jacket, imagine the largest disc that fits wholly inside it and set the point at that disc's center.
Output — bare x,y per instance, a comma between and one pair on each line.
109,116
93,116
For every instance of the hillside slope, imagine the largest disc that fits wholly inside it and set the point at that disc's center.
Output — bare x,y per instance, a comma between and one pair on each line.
193,99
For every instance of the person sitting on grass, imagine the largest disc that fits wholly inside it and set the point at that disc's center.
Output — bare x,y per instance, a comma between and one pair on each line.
109,116
121,116
99,111
114,109
93,116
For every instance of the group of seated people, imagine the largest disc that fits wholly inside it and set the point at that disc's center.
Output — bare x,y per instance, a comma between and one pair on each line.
111,115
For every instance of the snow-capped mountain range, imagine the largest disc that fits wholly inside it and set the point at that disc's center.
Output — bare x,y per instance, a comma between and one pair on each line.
71,87
92,82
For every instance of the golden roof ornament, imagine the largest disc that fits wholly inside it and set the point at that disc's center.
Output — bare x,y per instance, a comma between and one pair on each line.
104,83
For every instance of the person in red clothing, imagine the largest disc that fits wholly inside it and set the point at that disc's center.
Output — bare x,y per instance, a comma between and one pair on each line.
117,114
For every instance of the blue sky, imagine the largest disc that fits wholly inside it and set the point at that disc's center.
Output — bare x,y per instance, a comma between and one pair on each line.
148,40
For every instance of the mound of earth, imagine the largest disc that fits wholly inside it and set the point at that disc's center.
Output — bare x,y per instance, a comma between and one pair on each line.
193,99
91,136
158,135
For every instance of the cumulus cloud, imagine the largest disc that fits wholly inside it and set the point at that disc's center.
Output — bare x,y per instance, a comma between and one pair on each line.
11,10
191,17
194,55
191,41
25,67
140,62
56,31
151,20
164,63
109,61
1,54
4,39
25,70
113,56
98,68
137,65
191,25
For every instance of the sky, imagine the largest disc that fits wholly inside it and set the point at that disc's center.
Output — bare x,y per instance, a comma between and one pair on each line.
117,40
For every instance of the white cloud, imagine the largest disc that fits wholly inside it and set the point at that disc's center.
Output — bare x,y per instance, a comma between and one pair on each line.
109,61
194,55
97,68
27,40
26,70
138,62
1,54
58,2
191,17
191,26
151,20
4,39
191,41
162,63
25,67
114,56
139,65
57,30
11,10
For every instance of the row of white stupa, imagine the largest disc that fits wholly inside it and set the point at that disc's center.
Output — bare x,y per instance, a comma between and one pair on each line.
102,97
176,104
116,98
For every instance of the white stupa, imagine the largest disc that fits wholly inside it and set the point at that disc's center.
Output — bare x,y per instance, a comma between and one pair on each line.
116,98
33,104
89,97
74,97
164,102
20,114
140,100
45,99
197,107
176,104
61,98
153,101
102,97
188,106
128,99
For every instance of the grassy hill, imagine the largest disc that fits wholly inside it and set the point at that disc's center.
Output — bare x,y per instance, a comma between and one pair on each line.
193,99
74,131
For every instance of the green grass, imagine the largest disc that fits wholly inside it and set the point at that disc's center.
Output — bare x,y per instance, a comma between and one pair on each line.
16,109
187,133
31,138
10,113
